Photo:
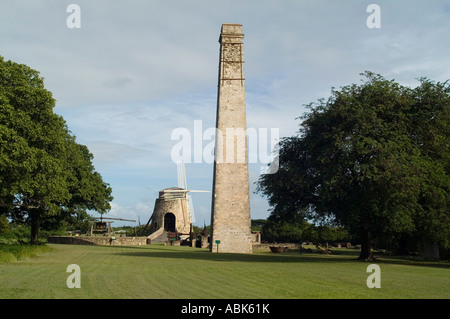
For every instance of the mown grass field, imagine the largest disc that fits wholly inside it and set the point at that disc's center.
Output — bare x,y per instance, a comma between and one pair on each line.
158,271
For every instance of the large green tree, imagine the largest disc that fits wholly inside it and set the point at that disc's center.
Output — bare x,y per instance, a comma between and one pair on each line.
373,157
43,171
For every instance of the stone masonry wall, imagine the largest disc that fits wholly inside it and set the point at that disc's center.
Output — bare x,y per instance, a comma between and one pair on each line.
98,240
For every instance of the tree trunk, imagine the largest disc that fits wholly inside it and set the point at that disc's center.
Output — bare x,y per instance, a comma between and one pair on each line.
35,222
366,249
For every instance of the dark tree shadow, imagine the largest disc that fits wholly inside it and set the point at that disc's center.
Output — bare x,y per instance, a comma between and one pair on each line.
156,251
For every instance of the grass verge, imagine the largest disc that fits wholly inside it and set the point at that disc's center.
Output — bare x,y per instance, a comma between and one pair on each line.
170,272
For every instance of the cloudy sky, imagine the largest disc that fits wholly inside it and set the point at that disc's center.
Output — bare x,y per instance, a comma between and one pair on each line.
137,70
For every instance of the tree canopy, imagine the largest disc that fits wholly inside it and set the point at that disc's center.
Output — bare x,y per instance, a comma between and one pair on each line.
43,171
374,158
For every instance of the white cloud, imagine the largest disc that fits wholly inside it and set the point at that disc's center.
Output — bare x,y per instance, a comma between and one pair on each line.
138,213
136,70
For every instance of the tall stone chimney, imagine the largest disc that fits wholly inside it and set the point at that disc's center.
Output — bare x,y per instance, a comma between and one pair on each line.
230,216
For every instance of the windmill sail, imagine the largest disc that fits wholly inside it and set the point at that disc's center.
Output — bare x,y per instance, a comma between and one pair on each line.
181,175
191,208
182,183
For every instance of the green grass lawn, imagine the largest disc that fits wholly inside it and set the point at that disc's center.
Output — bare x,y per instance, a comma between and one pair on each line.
158,271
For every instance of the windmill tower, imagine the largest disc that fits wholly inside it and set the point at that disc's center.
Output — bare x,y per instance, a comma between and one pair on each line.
174,210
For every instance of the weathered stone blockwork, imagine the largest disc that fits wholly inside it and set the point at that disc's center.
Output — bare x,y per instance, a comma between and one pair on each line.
98,240
230,217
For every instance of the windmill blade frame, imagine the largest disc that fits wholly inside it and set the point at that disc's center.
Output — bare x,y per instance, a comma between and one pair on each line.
182,185
181,175
190,208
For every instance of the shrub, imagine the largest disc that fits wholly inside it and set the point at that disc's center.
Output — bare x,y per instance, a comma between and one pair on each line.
14,252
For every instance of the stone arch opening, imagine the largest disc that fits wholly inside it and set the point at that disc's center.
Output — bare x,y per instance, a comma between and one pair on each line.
169,222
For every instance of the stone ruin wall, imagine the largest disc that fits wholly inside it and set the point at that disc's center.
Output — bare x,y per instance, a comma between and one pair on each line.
98,240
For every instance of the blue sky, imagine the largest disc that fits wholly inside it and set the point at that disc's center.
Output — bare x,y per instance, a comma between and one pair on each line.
137,70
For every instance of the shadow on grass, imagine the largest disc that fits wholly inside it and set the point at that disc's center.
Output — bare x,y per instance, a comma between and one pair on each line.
411,261
187,253
203,254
